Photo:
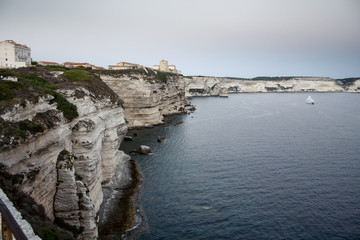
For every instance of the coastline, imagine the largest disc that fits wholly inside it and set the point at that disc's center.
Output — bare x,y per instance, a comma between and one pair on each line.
125,215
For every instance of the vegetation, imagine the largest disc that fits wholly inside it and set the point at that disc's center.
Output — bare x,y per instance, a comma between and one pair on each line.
50,234
162,76
7,89
5,73
31,85
78,75
56,68
69,110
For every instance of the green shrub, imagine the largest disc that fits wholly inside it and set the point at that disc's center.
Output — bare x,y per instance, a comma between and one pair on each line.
162,76
78,75
22,134
50,234
30,126
69,110
7,89
5,73
37,82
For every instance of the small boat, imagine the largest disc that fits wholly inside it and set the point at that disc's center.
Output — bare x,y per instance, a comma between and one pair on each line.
309,100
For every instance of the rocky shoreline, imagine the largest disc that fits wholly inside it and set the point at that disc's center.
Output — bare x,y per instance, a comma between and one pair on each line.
123,207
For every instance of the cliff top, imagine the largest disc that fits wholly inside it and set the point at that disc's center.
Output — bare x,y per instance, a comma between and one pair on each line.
28,86
40,81
345,81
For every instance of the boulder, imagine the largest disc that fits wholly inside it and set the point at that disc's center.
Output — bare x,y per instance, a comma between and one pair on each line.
128,138
143,149
178,123
160,138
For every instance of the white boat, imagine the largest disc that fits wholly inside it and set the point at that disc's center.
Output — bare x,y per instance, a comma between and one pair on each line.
309,100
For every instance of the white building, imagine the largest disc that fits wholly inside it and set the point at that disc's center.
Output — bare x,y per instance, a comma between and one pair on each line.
14,55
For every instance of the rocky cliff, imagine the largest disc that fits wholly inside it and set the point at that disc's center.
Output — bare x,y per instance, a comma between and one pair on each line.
59,137
213,86
147,96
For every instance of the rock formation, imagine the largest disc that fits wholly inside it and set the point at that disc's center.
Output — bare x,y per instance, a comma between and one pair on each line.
213,86
62,164
146,97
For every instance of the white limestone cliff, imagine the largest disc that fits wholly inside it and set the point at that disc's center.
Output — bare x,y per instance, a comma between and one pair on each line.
212,86
63,168
146,98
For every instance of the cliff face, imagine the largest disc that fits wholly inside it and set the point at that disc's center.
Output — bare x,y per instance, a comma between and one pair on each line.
146,97
212,86
62,164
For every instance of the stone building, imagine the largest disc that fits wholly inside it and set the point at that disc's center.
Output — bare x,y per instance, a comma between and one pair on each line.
165,67
124,65
85,65
14,55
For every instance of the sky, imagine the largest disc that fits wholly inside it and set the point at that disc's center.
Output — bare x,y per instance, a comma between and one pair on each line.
237,38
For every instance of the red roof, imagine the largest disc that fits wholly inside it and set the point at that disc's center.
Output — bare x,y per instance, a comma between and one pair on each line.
75,64
52,63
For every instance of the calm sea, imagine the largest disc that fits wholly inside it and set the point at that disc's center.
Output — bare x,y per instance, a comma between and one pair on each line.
254,166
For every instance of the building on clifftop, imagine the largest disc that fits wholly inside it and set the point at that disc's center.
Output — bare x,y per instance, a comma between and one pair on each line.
85,65
165,67
14,55
44,63
125,65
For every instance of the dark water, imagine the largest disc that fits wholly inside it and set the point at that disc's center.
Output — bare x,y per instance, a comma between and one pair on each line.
255,166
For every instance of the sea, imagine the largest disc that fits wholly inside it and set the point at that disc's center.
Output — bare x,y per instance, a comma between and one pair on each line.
253,166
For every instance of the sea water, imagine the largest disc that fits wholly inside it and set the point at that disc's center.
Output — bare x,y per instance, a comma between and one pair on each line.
254,166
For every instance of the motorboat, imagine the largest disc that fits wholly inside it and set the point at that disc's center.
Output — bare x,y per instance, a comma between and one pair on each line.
309,100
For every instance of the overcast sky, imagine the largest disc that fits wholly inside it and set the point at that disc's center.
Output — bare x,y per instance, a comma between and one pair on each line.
239,38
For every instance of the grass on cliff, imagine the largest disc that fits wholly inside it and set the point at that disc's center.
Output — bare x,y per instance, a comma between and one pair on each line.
69,110
7,89
78,75
32,86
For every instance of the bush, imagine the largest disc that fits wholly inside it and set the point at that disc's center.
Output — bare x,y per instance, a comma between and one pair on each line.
5,73
69,110
162,76
37,82
50,234
7,89
30,126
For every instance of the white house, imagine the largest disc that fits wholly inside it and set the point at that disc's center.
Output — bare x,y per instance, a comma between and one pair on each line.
14,55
